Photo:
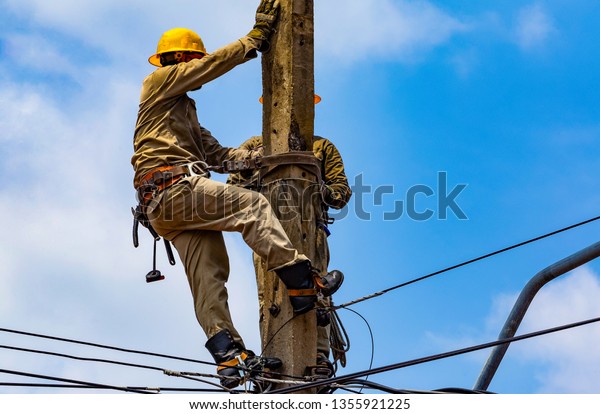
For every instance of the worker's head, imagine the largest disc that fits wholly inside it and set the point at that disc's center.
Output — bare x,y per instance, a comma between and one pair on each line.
177,45
316,101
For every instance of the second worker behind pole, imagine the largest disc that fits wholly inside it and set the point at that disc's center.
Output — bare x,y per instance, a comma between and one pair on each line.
336,193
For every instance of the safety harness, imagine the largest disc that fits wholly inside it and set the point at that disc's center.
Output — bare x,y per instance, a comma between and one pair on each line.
150,185
161,178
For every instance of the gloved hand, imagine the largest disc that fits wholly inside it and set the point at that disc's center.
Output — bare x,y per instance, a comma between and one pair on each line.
327,193
258,152
266,15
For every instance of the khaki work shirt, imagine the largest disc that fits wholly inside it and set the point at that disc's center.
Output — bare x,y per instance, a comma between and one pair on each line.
168,132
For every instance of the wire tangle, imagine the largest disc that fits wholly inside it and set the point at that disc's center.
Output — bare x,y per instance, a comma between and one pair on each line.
264,381
342,379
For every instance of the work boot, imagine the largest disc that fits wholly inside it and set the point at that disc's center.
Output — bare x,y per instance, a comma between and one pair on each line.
234,360
322,370
302,282
324,366
330,283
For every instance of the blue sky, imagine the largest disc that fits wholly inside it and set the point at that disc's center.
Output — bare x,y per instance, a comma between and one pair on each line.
498,95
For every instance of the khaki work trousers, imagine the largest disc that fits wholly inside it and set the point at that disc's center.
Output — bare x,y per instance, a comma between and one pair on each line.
321,262
193,213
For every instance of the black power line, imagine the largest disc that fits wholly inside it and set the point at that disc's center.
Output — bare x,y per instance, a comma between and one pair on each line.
78,358
114,348
431,358
317,383
94,387
127,364
468,262
72,381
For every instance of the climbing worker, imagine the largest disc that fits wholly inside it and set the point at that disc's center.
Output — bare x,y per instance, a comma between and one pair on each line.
172,157
336,193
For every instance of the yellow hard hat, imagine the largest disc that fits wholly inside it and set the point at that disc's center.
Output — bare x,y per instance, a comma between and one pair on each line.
317,99
177,40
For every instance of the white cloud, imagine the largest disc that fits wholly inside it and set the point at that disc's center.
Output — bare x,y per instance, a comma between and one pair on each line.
34,51
534,27
349,32
564,362
392,30
107,25
571,357
68,261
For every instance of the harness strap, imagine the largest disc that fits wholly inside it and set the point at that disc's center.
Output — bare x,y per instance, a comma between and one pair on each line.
163,177
303,159
232,362
269,163
318,282
302,292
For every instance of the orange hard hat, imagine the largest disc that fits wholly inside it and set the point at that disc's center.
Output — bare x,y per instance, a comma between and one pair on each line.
317,99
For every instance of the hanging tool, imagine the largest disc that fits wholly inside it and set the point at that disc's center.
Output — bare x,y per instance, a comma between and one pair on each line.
139,216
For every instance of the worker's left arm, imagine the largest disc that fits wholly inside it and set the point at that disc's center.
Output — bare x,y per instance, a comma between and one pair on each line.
248,178
337,191
216,154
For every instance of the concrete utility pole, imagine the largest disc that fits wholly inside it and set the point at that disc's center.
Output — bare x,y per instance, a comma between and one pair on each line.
292,188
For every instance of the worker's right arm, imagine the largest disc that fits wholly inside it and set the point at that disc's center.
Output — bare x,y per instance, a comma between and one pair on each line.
171,81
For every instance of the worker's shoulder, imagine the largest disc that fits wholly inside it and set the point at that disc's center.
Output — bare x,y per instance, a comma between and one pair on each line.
322,143
157,79
252,143
255,140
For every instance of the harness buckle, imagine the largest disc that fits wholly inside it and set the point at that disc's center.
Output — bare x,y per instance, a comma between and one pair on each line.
241,165
198,168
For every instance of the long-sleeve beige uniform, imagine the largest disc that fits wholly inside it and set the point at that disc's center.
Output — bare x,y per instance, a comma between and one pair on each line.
195,211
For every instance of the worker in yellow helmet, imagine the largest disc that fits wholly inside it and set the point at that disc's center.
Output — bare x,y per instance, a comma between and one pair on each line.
336,193
172,153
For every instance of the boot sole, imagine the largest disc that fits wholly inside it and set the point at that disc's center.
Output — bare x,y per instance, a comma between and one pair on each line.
330,291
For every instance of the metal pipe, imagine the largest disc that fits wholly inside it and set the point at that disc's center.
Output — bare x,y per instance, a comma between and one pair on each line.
522,304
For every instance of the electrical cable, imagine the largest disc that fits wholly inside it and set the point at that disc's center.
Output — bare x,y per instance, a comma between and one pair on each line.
107,361
186,375
323,382
279,330
78,358
124,363
468,262
347,389
271,340
113,348
391,390
205,382
372,340
431,358
46,377
380,387
74,386
339,340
